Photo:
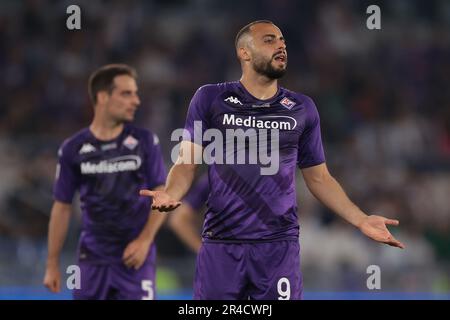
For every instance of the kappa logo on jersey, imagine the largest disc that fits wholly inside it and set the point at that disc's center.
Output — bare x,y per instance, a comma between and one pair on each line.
86,148
285,102
118,164
130,142
233,100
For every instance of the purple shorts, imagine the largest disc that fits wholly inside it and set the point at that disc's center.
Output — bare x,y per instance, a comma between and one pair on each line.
256,271
114,281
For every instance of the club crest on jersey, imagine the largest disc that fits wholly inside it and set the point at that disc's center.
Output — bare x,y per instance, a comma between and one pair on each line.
285,102
130,142
86,148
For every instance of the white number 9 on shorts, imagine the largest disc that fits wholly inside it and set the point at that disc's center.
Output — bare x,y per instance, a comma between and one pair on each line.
284,289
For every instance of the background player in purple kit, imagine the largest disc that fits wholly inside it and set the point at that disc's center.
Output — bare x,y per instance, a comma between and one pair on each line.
108,163
250,236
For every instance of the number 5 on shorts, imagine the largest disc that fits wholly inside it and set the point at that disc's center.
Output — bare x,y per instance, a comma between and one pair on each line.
147,285
284,289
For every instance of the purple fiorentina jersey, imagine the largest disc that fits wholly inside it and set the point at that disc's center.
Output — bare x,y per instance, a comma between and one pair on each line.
245,205
109,175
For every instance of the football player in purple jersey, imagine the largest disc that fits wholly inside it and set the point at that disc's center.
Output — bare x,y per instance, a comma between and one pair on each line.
108,163
250,247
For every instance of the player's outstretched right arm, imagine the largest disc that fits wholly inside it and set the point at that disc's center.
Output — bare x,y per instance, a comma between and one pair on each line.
57,231
179,179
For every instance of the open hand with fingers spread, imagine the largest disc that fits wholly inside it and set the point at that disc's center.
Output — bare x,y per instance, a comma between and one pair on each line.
161,200
375,228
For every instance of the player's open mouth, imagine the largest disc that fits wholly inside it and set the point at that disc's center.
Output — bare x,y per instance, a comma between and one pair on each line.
281,58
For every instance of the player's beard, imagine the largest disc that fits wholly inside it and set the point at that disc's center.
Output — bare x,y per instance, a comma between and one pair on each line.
265,68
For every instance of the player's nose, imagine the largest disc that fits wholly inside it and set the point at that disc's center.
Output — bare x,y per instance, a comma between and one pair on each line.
281,45
136,101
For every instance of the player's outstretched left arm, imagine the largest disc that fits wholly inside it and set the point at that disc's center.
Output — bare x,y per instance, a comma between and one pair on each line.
328,191
375,227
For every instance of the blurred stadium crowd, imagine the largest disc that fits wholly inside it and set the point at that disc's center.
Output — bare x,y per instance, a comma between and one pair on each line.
383,97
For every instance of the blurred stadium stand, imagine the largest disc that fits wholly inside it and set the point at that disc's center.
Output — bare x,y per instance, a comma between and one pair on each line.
383,97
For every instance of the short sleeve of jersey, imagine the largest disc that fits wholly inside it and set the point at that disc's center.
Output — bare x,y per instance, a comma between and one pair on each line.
197,119
67,177
156,168
310,149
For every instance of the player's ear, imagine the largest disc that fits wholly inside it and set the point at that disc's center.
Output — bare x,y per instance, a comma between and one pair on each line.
102,97
243,53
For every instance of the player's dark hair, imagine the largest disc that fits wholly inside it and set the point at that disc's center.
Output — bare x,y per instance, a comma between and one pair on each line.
103,78
246,29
